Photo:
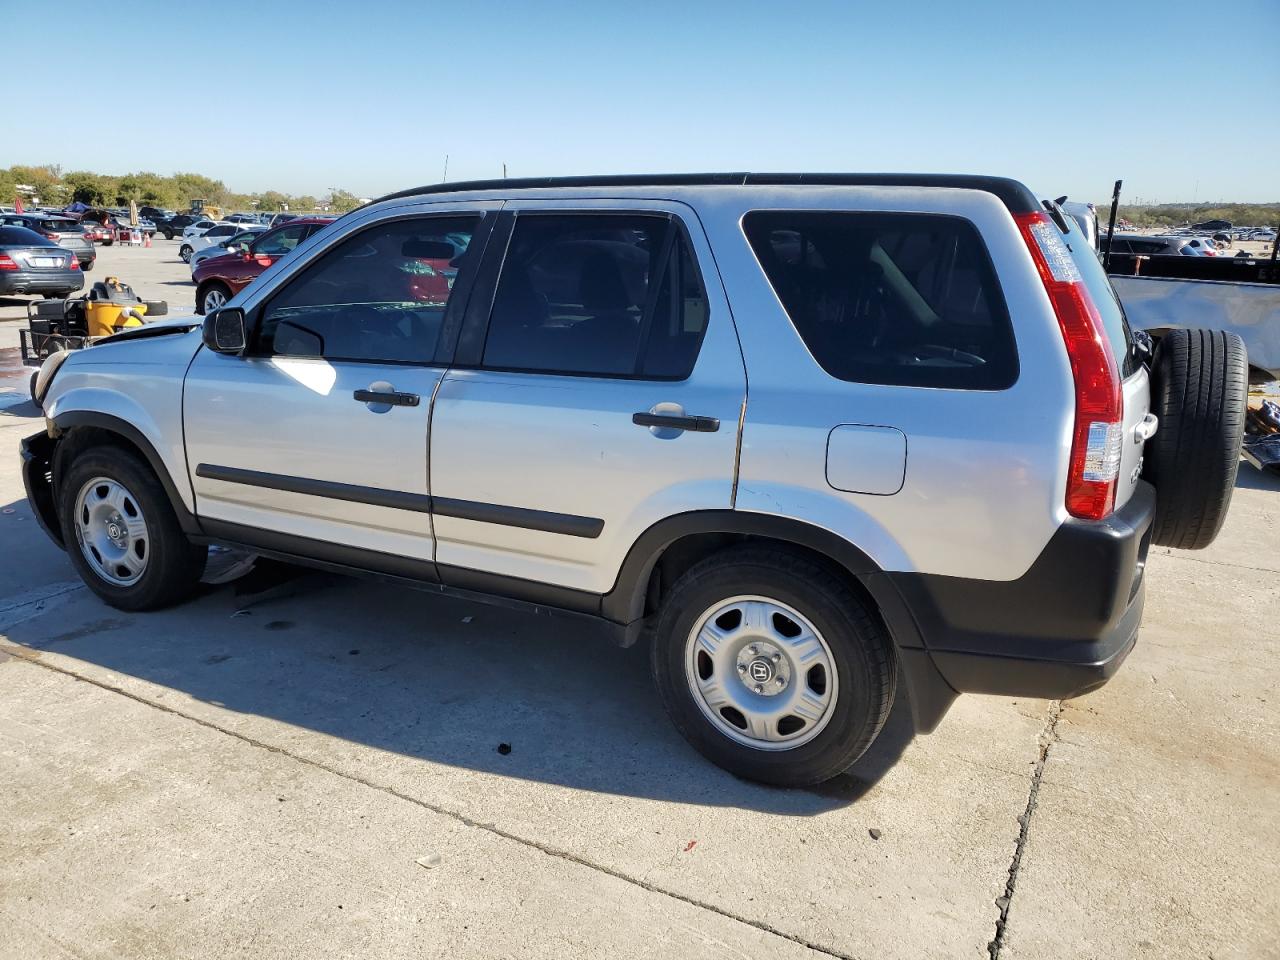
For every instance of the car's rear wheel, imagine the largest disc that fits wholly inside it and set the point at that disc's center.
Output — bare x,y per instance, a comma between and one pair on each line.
1199,388
772,667
168,234
213,297
87,266
122,535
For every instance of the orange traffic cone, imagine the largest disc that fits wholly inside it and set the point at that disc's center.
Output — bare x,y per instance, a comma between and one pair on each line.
146,239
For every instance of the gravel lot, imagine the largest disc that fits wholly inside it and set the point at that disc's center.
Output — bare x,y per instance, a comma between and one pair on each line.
308,767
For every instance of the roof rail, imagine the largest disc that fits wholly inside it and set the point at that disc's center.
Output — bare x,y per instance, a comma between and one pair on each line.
1011,193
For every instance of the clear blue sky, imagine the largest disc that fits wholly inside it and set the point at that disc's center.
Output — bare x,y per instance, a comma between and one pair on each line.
1178,98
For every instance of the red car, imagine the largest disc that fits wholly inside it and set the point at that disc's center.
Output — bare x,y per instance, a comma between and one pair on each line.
220,279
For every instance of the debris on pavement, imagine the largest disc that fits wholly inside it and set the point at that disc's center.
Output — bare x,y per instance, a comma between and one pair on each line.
429,861
875,833
504,748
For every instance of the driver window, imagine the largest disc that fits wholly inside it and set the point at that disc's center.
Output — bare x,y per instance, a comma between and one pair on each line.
279,243
379,296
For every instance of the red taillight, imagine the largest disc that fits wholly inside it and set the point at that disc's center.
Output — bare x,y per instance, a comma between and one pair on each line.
74,264
1096,439
6,262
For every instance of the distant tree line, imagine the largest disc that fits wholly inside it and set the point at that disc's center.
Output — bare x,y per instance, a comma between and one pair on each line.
51,186
1181,214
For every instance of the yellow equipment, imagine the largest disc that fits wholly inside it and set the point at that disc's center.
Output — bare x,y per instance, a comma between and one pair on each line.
112,306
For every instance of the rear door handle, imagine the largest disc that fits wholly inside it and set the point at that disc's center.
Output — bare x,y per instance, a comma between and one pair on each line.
696,424
392,397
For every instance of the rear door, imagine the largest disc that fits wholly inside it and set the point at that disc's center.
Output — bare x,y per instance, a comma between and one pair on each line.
597,388
315,441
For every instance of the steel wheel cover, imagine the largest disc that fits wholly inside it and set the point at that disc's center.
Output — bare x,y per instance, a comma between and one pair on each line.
761,673
112,532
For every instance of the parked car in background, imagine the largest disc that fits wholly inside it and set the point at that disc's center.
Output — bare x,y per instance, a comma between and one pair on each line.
174,226
63,231
221,278
96,232
155,214
1140,243
240,218
198,227
32,263
278,218
238,243
215,235
1207,246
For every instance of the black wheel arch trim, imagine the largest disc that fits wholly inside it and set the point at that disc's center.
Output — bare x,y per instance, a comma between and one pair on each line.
64,422
625,602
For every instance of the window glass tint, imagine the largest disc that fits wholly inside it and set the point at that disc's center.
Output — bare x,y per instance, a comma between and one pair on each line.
22,237
604,295
280,242
1102,294
909,299
380,295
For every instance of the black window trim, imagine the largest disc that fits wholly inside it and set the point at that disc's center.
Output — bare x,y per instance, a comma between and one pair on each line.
984,251
477,319
442,359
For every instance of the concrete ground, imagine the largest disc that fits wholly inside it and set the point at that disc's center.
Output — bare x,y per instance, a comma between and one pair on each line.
298,765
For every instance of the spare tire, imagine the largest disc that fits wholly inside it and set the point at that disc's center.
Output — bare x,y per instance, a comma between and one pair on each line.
1199,388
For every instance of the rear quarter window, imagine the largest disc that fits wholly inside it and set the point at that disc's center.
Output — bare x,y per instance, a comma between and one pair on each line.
889,298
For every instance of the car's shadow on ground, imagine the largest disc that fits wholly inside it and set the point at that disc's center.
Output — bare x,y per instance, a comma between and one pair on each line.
432,677
1251,478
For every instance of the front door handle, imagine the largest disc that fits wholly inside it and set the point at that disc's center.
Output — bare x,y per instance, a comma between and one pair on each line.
696,424
392,398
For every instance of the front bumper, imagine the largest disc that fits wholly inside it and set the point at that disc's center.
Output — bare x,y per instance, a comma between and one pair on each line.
37,477
42,281
1059,631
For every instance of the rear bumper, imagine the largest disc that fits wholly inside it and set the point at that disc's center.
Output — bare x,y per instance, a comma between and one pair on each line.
1059,631
31,281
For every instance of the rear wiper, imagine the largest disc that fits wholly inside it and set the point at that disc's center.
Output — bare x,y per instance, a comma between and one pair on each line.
1059,217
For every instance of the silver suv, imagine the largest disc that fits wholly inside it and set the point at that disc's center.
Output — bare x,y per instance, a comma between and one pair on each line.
806,435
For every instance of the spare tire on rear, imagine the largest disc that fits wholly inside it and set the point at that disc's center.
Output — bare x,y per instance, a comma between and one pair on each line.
1199,388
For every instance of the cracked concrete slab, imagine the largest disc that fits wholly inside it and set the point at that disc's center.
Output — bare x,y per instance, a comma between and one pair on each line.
1157,829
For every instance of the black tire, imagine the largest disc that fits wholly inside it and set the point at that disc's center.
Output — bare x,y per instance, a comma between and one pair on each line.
86,267
210,288
168,234
1199,389
174,564
861,650
32,387
108,242
185,252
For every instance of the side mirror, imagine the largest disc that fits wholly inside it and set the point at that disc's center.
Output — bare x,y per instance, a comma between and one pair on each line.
223,331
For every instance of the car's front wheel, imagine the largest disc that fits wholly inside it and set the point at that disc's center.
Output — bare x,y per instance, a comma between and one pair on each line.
213,297
121,532
772,667
185,253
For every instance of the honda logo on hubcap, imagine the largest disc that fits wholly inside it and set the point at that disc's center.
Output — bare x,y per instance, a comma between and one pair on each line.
761,670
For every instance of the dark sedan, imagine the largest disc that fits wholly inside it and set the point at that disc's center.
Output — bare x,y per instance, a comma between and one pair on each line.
61,230
30,263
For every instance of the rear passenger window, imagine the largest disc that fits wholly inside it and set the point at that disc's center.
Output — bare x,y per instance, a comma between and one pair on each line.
597,295
892,298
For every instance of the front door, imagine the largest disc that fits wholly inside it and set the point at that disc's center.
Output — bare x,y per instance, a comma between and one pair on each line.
597,389
318,436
